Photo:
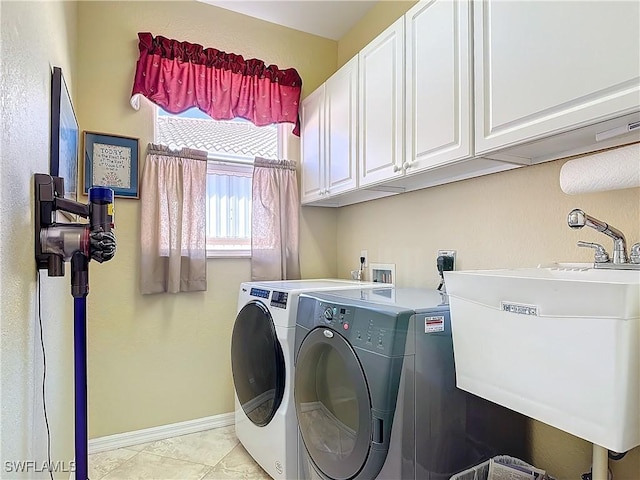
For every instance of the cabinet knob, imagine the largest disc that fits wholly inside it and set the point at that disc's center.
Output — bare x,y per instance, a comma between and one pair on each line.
396,168
406,165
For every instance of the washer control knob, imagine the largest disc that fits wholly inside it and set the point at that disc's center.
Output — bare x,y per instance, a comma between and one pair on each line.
328,314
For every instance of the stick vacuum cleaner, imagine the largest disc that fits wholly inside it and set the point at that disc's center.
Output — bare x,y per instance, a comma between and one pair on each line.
78,243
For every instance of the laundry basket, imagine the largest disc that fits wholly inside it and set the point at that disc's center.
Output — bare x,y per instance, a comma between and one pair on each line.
481,471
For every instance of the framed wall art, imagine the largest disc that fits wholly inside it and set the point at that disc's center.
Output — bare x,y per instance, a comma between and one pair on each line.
111,161
65,137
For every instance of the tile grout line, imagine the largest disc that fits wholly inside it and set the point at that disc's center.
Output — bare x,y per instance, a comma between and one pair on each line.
226,454
206,473
208,470
187,461
221,460
181,459
119,465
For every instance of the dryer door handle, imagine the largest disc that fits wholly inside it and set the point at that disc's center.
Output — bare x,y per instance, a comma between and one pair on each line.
377,430
328,333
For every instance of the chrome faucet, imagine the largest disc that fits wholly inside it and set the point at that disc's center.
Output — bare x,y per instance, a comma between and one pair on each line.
635,253
578,219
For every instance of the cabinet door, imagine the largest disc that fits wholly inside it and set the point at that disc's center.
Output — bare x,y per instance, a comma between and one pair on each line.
341,108
381,117
312,144
438,96
547,67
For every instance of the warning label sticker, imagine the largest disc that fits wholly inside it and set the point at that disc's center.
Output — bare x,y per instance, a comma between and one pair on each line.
434,324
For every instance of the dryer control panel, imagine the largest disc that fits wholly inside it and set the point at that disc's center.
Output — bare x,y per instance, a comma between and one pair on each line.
374,330
337,316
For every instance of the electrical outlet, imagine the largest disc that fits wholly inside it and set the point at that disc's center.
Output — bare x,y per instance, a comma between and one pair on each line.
448,253
363,253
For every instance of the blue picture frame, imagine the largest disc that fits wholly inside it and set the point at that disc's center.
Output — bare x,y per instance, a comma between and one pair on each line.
111,161
65,137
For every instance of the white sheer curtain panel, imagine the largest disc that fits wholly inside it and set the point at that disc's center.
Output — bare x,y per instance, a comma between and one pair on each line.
173,221
274,228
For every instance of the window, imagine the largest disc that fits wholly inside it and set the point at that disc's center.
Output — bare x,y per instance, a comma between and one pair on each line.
228,209
232,146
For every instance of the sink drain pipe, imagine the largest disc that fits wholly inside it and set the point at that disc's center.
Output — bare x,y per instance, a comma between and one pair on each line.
600,463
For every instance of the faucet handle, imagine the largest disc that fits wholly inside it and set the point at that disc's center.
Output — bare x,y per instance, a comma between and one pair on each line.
635,253
601,255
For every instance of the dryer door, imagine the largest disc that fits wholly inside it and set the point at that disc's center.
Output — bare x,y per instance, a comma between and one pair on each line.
257,363
332,404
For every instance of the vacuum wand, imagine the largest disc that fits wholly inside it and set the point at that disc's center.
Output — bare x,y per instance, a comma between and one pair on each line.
77,243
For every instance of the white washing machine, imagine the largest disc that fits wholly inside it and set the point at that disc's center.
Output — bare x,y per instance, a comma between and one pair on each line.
262,349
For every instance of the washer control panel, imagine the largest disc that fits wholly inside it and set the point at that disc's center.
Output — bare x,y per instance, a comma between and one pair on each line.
259,292
279,299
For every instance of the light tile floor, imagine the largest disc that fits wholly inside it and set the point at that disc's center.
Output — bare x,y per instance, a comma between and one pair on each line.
211,455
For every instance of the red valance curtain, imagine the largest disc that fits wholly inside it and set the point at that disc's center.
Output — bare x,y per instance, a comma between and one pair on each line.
181,75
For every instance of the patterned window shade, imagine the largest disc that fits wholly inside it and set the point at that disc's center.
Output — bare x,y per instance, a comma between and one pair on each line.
172,227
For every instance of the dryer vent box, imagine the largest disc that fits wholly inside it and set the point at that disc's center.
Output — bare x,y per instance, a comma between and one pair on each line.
383,273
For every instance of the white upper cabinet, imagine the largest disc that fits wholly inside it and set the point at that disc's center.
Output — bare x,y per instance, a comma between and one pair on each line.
545,67
341,111
456,89
381,102
438,84
329,136
312,183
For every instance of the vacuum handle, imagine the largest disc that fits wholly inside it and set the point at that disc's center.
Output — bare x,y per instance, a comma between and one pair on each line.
79,275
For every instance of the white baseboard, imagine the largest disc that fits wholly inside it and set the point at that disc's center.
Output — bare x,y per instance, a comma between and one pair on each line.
127,439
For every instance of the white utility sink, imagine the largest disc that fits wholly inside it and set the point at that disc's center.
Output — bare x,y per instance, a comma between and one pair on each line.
559,344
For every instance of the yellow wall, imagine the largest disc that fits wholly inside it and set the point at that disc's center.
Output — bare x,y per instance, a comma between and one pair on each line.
160,359
374,22
35,36
510,219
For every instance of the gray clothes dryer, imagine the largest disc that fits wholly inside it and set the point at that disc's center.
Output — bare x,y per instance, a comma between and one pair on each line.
375,392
